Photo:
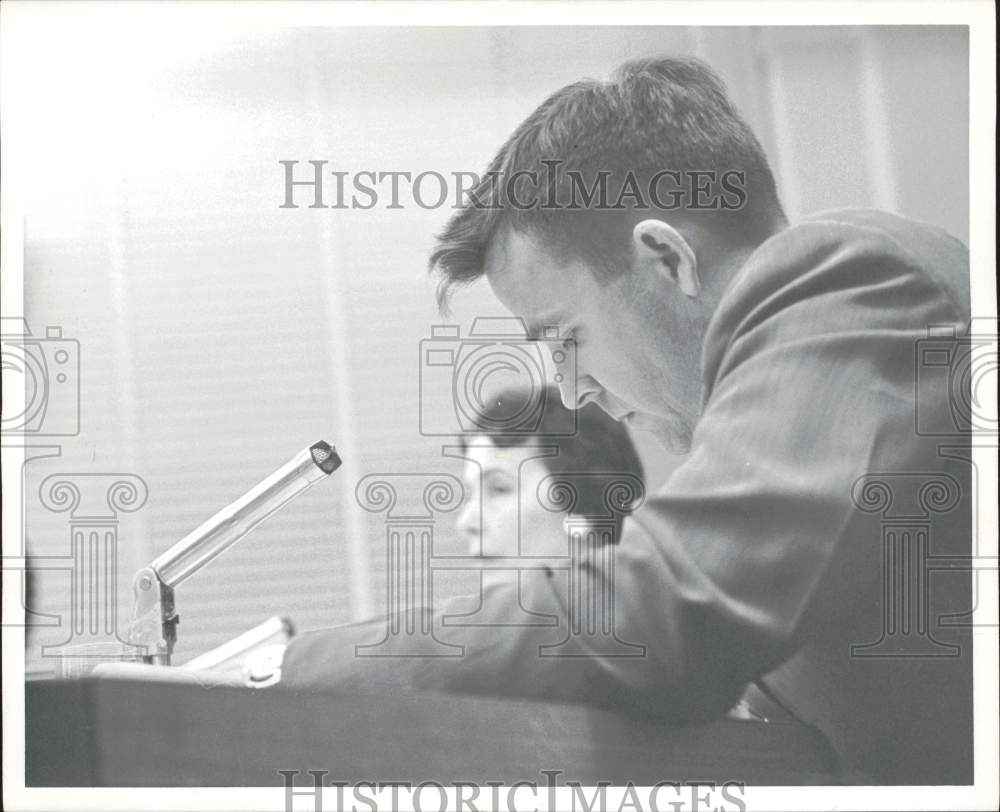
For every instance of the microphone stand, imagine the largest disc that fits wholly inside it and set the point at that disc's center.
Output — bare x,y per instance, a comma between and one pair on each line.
154,617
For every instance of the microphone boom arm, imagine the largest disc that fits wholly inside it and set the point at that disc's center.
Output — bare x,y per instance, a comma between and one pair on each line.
154,619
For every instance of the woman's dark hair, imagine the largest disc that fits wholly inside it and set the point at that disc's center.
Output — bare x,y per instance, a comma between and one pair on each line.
598,445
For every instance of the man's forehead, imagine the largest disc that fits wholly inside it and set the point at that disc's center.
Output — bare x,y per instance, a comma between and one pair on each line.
511,256
528,279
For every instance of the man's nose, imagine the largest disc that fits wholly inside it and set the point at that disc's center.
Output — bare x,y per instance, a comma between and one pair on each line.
564,369
576,394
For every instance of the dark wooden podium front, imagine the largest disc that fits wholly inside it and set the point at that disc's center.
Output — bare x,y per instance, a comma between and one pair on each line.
95,732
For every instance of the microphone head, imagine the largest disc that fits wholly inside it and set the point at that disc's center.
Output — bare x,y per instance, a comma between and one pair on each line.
325,456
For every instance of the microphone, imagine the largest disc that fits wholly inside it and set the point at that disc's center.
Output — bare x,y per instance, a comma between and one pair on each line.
233,522
154,621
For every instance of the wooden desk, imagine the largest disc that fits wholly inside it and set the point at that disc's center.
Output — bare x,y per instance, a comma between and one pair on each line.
120,733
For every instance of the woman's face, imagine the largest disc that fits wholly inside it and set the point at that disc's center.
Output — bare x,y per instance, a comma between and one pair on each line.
502,515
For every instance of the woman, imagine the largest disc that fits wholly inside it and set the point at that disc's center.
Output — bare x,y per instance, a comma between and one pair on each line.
523,488
534,465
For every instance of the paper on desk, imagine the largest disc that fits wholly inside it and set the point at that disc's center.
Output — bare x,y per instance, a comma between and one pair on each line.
230,657
251,660
164,673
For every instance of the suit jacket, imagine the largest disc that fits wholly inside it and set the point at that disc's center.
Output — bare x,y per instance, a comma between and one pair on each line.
815,539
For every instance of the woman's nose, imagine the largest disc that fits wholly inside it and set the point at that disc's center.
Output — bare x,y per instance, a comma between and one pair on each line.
468,520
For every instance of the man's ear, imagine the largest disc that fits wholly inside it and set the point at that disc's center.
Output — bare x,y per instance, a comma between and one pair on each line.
660,248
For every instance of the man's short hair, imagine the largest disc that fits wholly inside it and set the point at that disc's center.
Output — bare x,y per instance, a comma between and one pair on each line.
653,118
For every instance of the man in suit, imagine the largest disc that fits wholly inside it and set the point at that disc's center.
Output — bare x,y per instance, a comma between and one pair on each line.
640,218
